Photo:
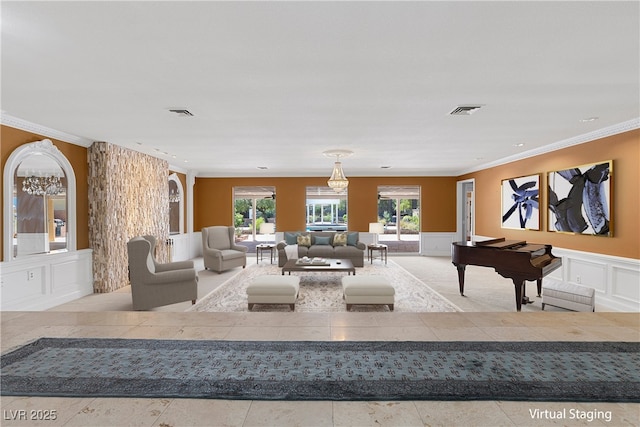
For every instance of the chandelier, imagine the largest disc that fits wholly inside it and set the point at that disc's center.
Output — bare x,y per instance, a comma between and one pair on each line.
338,181
174,196
42,185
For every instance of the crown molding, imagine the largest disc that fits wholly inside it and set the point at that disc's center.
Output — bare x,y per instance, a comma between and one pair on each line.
627,126
18,123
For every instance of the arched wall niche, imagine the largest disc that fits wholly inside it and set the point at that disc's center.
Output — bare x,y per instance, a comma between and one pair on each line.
29,152
176,208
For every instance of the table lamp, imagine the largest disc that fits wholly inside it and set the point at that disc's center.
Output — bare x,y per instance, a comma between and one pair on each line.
376,228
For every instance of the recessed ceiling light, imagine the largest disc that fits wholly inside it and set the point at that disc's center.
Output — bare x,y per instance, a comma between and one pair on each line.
520,144
589,119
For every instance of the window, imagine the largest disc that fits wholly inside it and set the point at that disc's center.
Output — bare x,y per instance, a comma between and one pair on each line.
326,210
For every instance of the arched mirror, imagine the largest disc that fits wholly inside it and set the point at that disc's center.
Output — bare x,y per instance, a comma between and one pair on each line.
176,210
39,201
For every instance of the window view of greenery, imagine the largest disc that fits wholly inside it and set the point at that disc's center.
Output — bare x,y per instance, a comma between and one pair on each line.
326,210
409,214
254,206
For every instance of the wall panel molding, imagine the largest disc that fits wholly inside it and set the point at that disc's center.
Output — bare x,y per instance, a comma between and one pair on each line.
436,244
40,282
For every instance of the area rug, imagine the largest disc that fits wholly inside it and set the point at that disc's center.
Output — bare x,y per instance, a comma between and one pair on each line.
322,292
336,370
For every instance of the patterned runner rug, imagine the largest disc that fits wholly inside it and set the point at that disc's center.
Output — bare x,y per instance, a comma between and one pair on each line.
322,292
290,370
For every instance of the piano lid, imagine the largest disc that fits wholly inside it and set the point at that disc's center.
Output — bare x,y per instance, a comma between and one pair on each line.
499,243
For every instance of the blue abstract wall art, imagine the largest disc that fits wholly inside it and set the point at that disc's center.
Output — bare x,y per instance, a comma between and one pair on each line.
520,203
580,199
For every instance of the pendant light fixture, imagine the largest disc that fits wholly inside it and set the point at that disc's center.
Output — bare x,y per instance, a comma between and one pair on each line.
338,181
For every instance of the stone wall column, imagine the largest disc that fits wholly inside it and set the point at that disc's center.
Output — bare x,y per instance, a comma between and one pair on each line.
128,197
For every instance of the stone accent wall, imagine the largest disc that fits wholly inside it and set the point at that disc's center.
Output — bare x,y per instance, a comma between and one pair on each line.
128,197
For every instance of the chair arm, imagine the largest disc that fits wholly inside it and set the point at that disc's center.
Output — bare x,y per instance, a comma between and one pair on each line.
281,245
213,252
172,276
177,265
361,246
240,248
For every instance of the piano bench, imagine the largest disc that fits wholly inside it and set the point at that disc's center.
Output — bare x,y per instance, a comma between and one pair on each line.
568,296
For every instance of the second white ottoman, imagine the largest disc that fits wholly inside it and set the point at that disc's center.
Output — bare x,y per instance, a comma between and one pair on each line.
273,290
367,290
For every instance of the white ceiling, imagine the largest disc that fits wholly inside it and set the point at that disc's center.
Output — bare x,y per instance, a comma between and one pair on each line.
274,84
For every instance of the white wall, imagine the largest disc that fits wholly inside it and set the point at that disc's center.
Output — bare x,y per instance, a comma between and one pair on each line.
39,282
615,279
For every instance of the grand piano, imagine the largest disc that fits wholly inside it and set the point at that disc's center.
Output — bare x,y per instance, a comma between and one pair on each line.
516,260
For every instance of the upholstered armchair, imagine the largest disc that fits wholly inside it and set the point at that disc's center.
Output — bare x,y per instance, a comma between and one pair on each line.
176,265
219,249
155,287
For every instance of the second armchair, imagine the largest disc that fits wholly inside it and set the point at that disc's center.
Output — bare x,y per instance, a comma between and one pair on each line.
219,249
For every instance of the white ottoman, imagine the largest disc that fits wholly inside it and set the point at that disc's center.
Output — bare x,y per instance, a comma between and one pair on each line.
367,290
273,290
566,295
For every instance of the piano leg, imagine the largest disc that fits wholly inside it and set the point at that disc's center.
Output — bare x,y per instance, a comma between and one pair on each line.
519,285
539,287
461,268
521,291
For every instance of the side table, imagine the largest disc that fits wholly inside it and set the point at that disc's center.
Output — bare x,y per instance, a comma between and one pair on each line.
262,247
383,249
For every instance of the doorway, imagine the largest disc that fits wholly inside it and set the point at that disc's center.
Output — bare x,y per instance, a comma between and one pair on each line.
254,215
465,211
399,212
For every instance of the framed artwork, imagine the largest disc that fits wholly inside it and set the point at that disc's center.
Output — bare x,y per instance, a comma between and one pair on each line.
520,203
579,199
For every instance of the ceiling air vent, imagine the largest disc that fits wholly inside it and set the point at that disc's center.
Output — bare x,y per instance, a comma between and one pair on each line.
464,110
184,113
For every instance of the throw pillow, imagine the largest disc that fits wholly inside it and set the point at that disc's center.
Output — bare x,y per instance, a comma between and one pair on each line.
304,240
291,238
340,239
320,240
352,238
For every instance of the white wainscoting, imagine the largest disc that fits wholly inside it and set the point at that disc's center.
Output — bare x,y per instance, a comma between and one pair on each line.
436,244
196,244
179,250
615,279
39,282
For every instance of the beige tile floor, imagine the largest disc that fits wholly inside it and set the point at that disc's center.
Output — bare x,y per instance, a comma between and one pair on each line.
489,314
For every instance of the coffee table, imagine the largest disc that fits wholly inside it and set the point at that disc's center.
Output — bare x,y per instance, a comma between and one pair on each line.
333,265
